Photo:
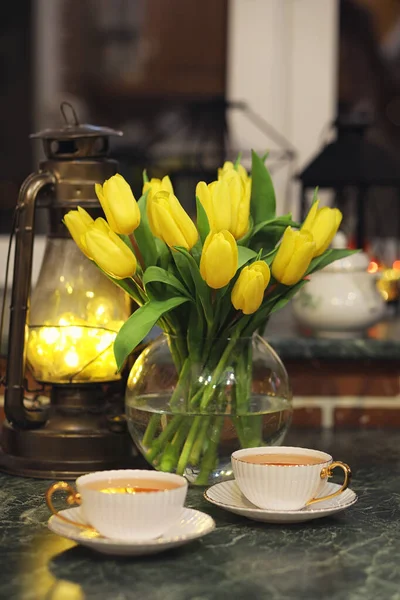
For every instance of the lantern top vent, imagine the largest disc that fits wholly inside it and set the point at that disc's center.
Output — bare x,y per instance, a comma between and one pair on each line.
75,141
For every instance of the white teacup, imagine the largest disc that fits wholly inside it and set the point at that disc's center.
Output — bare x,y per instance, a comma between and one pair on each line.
285,478
129,504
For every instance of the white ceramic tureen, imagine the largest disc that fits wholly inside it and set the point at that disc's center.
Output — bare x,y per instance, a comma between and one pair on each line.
341,300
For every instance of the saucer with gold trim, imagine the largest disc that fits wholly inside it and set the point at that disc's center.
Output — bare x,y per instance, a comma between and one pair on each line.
193,524
228,496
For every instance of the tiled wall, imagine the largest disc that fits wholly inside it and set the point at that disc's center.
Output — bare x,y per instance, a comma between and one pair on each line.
337,394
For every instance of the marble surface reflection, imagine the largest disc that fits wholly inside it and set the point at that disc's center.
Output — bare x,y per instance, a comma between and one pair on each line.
351,556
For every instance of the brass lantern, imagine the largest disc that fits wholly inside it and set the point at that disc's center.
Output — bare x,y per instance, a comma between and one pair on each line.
66,336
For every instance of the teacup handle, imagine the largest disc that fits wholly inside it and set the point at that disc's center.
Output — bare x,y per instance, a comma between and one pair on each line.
328,472
73,498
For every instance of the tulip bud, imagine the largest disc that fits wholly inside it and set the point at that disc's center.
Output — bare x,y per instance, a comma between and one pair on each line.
229,168
219,259
169,222
157,185
294,255
108,251
216,202
78,222
119,204
227,202
248,291
239,194
323,224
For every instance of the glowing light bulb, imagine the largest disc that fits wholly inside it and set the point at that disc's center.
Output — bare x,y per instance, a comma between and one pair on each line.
71,358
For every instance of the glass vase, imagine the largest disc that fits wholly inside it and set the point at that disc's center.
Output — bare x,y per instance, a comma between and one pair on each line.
188,408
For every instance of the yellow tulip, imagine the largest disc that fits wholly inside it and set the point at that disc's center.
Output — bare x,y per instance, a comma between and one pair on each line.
119,204
78,222
239,194
248,291
158,185
108,251
169,221
216,202
323,224
229,167
227,203
294,255
219,259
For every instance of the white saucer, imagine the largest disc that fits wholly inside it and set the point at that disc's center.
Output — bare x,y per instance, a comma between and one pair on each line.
192,525
227,495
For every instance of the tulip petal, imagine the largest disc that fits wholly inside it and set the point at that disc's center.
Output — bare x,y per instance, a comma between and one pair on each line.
166,185
204,195
184,223
221,206
284,254
261,267
120,205
299,264
78,222
312,213
254,294
168,229
110,253
219,259
324,229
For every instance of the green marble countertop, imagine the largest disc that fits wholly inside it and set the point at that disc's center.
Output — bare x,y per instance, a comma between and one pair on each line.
351,556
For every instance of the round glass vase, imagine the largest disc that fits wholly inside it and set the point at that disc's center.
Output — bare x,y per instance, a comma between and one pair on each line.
187,414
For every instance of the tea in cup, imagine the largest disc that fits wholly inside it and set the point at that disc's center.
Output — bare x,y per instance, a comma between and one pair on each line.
285,478
130,504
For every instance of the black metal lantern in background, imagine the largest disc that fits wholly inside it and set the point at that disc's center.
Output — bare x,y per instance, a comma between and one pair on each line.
66,336
351,162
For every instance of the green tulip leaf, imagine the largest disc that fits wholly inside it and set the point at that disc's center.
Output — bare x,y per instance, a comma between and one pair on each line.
164,254
127,241
237,161
244,255
144,236
262,203
184,271
158,275
327,258
264,156
145,177
202,289
283,221
135,329
203,225
291,291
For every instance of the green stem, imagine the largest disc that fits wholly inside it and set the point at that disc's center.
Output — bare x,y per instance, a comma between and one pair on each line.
187,448
170,455
199,444
210,389
179,390
151,429
210,456
164,437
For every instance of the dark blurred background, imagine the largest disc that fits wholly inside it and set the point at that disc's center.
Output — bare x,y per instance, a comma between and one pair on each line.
192,82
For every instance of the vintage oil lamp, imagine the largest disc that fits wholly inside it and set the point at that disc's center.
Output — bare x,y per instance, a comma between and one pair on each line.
64,333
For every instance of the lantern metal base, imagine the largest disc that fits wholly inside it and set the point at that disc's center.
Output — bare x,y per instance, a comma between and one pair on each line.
79,436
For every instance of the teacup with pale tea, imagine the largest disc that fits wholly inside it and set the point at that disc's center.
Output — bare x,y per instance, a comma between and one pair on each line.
285,478
128,504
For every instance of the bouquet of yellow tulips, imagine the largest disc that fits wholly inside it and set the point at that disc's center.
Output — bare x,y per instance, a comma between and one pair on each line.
207,284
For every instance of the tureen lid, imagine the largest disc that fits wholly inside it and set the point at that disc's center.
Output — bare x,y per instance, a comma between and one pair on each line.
355,262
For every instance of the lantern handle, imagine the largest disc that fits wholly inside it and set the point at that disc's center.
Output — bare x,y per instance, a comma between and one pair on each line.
15,410
63,106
